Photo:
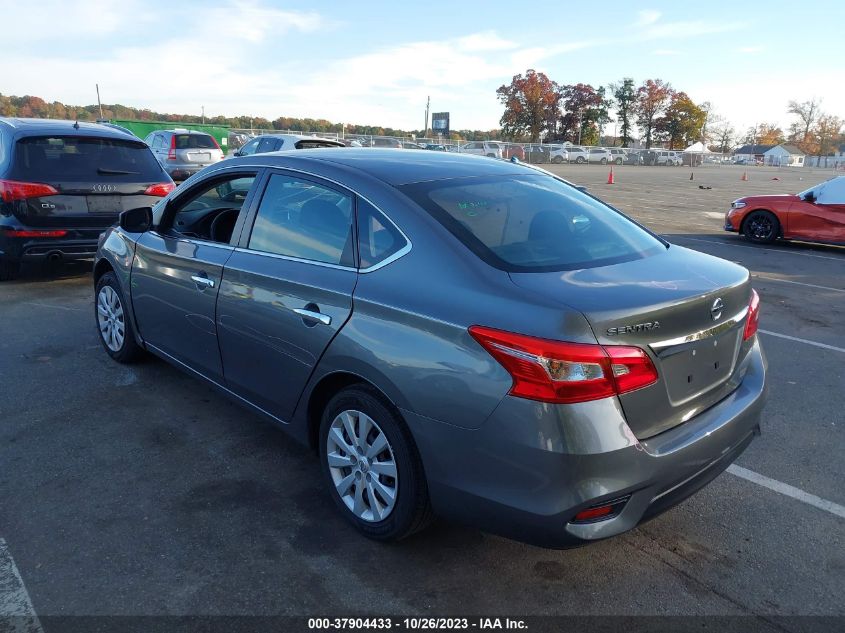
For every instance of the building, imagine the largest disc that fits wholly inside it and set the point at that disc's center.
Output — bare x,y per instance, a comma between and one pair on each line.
750,153
784,156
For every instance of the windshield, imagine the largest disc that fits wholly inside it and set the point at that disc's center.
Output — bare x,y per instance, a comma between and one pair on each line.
533,223
84,159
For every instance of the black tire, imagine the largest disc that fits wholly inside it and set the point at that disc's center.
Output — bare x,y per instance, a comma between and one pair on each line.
412,510
580,160
491,156
557,160
129,351
618,161
761,227
604,161
9,270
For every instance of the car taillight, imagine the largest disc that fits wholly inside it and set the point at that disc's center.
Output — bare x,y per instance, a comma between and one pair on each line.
171,155
160,189
753,319
561,372
35,233
11,190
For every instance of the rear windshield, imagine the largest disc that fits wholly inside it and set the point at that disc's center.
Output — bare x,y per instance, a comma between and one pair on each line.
84,159
195,141
532,223
313,144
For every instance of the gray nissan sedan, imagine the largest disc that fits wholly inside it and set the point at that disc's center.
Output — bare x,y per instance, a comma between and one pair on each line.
453,335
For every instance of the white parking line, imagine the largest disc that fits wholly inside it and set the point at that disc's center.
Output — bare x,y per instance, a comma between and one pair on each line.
15,604
797,283
803,340
670,237
786,489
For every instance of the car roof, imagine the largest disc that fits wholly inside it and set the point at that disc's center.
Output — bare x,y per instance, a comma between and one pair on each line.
297,137
180,130
40,127
394,166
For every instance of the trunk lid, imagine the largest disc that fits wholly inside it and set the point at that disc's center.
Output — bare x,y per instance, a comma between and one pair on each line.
96,179
663,304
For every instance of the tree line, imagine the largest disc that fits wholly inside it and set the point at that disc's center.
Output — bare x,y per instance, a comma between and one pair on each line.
537,108
30,106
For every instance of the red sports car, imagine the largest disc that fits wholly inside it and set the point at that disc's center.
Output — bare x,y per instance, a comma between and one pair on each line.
814,215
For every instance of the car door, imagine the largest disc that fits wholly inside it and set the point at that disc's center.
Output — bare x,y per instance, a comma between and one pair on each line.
177,269
287,289
824,218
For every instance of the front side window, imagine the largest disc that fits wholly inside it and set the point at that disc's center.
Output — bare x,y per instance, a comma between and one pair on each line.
266,145
210,211
302,219
532,223
250,147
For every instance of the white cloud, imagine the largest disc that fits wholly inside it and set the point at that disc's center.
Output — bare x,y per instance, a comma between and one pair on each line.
665,52
750,49
649,16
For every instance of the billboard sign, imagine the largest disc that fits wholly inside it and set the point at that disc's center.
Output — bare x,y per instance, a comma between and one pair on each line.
440,124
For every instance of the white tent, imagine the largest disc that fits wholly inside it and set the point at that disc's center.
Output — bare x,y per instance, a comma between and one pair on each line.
698,148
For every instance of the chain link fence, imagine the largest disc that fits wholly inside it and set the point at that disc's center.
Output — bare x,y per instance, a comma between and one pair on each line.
533,153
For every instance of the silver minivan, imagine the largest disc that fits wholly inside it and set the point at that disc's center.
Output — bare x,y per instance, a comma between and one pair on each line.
182,152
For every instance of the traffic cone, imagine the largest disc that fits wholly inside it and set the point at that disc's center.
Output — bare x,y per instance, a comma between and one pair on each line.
610,179
691,176
744,176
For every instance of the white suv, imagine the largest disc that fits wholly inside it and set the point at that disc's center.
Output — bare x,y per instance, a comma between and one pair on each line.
558,154
617,155
599,155
672,159
577,154
483,148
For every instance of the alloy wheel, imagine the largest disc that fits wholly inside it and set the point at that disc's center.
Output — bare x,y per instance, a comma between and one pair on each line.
362,466
760,227
110,318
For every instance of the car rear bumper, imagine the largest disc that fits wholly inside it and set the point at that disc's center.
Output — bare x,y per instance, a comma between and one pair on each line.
532,467
76,244
183,172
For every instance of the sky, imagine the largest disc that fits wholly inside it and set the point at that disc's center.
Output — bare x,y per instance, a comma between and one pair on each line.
376,62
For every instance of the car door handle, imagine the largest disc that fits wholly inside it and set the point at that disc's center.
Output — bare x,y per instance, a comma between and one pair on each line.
325,319
205,282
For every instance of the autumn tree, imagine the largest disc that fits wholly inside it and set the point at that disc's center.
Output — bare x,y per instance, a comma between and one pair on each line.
682,121
770,134
584,113
827,133
532,104
625,99
808,114
652,98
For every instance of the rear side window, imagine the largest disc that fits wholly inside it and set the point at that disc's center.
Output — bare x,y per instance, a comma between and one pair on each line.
84,159
299,218
195,141
378,238
533,223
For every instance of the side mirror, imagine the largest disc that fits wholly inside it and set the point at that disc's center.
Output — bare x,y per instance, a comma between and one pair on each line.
810,197
136,220
237,153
